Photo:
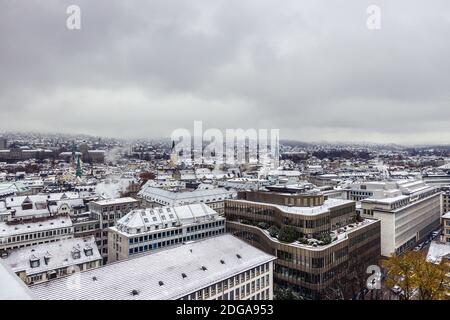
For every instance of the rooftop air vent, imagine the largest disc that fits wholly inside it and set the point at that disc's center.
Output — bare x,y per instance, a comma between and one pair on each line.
161,283
222,262
238,256
204,268
134,292
184,275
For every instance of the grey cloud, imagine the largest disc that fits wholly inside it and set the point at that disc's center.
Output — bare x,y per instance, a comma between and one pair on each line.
311,68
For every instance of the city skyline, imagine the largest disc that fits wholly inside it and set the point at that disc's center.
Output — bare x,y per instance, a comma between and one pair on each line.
142,70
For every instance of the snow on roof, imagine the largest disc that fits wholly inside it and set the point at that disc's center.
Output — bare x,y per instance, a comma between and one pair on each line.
184,195
58,254
316,210
386,200
158,276
144,219
7,229
18,200
446,216
12,288
115,201
437,251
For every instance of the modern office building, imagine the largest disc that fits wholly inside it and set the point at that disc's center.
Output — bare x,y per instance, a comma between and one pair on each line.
146,230
409,212
107,213
310,266
218,268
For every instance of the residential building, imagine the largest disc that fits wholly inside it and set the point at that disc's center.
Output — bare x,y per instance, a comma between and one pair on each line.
309,266
218,268
44,262
146,230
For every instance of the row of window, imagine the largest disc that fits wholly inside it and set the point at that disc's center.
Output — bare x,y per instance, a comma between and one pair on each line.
158,235
171,242
364,236
240,292
34,243
206,226
174,232
124,207
313,262
36,235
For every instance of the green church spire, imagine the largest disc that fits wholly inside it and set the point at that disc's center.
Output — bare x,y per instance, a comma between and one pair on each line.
78,173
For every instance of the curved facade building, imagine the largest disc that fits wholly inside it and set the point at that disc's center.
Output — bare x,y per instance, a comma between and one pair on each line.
316,270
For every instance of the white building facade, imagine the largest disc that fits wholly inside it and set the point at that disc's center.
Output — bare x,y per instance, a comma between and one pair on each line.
147,230
409,212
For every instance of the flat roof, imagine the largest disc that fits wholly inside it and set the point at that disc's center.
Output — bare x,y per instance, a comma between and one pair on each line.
116,281
115,201
311,211
7,229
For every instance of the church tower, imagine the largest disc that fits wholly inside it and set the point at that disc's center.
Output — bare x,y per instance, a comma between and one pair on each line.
173,156
78,172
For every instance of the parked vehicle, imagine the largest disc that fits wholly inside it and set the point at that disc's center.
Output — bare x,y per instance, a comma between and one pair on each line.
396,289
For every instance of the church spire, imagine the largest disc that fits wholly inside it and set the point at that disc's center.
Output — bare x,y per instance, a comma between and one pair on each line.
78,172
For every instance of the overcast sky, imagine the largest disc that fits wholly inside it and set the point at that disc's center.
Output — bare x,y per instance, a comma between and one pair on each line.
309,68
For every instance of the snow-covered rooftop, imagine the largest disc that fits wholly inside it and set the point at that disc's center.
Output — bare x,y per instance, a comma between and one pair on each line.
185,195
327,204
147,219
116,201
12,288
7,229
437,251
53,255
158,276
